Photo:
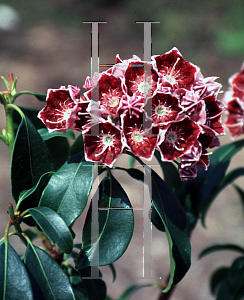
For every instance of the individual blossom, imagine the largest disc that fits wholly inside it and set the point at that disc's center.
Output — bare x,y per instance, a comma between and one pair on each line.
61,105
174,70
103,143
140,138
165,108
234,102
177,139
108,91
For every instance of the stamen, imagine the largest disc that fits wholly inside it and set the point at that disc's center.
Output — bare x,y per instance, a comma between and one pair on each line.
172,70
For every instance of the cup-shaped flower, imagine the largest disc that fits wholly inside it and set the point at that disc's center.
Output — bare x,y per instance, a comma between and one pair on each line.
103,143
174,70
61,105
177,139
141,137
108,92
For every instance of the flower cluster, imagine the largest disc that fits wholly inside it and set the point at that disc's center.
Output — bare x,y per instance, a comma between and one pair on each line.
140,106
234,101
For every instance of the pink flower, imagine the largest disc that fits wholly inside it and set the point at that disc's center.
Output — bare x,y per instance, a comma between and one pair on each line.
58,114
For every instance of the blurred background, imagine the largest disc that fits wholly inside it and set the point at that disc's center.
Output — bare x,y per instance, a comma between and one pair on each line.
46,44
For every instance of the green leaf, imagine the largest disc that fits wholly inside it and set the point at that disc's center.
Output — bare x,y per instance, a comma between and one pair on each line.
174,219
132,288
236,274
95,288
240,192
233,287
218,247
77,146
50,277
61,146
131,161
116,223
40,97
14,280
31,114
112,268
30,198
68,190
225,292
217,278
202,190
54,227
46,135
171,174
30,159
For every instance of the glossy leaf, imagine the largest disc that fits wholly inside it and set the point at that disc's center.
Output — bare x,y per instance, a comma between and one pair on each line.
40,97
50,277
228,179
112,268
218,247
133,288
175,222
217,278
30,159
236,274
201,191
240,192
46,135
77,146
31,114
61,146
54,227
30,198
68,190
14,280
116,223
171,174
95,288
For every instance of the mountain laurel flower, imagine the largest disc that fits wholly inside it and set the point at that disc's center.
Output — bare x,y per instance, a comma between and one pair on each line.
234,104
139,106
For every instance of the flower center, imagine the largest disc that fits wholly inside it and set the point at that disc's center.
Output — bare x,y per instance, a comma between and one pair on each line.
114,101
108,140
143,87
162,110
137,136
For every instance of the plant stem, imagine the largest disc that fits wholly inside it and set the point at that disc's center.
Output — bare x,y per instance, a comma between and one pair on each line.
10,127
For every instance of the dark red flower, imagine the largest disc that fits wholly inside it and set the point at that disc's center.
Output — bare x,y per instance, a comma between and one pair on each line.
58,114
175,70
103,143
164,108
141,138
237,83
109,92
140,79
178,139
